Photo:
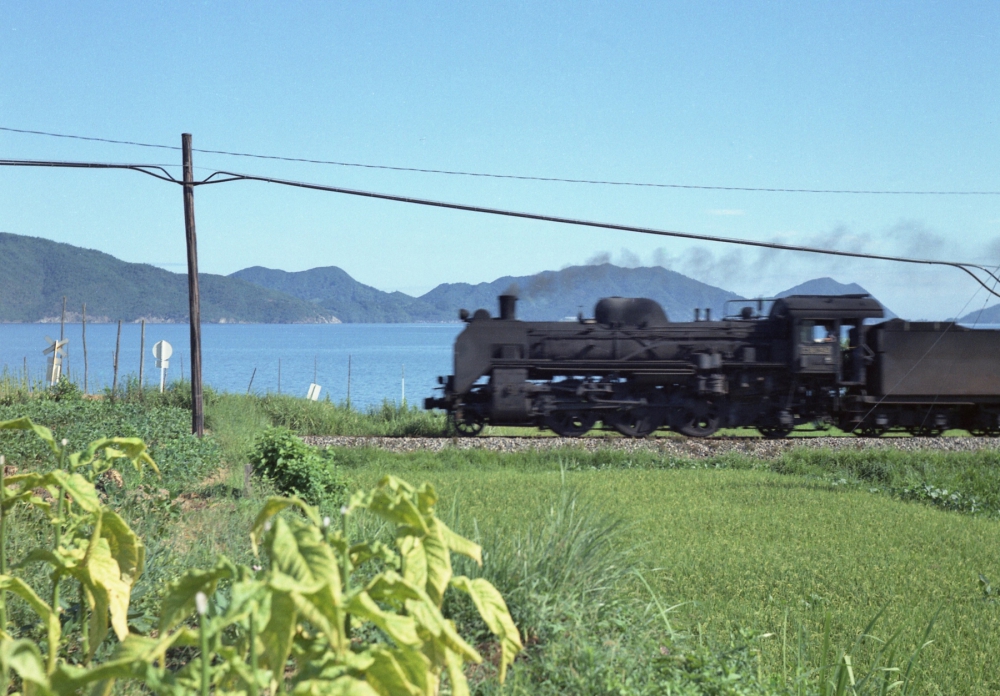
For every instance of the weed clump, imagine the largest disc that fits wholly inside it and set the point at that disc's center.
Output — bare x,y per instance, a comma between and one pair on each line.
295,468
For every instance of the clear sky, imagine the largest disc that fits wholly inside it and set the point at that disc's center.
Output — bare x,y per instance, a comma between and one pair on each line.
855,95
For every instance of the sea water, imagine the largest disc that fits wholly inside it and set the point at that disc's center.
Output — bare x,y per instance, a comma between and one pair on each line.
380,356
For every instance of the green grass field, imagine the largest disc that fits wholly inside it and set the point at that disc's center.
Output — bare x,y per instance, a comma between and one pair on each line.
760,554
769,553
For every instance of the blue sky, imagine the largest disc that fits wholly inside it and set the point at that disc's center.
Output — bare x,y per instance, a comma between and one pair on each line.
802,95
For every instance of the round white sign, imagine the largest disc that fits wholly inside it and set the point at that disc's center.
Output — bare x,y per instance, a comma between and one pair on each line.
162,350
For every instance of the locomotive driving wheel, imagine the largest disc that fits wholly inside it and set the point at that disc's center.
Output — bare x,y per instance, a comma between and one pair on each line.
570,423
469,424
639,421
697,417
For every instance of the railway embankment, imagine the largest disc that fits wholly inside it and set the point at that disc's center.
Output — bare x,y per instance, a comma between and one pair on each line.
668,446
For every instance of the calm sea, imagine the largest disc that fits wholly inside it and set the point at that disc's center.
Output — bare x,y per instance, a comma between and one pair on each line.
380,355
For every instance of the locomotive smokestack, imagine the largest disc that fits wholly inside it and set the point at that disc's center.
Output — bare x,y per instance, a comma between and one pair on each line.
508,307
697,314
708,314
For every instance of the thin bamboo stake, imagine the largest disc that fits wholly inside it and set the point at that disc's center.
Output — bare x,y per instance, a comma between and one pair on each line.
118,345
142,355
85,348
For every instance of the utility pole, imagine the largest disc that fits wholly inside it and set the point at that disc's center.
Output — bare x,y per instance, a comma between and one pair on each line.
197,411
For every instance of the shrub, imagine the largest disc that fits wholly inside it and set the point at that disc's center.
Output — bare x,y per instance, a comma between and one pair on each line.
64,390
295,468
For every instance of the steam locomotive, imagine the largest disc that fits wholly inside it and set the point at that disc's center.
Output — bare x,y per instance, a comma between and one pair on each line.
809,359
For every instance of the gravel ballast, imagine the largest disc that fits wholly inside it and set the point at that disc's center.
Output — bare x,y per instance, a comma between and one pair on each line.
668,446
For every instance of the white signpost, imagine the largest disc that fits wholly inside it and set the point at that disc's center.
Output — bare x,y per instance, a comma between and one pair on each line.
313,394
162,352
54,366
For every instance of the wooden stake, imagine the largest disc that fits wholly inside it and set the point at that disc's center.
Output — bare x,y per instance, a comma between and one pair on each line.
348,382
118,345
142,355
194,301
85,348
279,375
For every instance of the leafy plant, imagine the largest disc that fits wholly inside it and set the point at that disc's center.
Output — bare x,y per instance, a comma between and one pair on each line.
64,390
294,467
90,544
384,635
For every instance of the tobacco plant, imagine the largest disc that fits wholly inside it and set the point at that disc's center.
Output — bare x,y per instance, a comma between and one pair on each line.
324,615
90,545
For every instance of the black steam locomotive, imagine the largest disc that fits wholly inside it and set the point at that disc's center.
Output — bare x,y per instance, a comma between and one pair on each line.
809,359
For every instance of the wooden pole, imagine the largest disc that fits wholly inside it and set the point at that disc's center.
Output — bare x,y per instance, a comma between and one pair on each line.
62,335
142,355
348,382
84,347
194,301
279,375
114,379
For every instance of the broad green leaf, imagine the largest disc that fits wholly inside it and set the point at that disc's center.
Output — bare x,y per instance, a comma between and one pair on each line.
43,610
104,579
437,563
401,629
426,499
491,606
299,551
97,604
390,587
126,547
459,544
429,618
418,668
68,679
40,430
344,686
388,676
278,633
393,501
324,611
411,549
59,560
131,447
179,602
272,507
24,657
83,492
459,684
22,590
362,553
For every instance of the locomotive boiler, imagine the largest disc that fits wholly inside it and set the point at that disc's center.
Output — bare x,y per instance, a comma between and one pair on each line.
809,359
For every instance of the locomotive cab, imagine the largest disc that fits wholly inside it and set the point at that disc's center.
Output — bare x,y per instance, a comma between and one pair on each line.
818,325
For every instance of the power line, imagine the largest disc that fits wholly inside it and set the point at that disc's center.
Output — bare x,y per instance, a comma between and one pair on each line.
516,177
220,177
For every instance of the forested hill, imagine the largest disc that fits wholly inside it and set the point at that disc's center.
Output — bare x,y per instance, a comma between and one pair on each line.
350,301
553,295
38,273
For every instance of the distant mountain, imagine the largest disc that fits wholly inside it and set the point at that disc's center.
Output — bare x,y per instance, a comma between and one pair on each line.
829,286
553,295
350,301
990,315
38,273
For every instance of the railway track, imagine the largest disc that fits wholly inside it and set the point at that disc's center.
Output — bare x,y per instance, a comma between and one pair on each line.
668,446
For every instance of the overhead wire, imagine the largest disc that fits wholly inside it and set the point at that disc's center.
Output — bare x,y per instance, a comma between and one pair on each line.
516,177
218,177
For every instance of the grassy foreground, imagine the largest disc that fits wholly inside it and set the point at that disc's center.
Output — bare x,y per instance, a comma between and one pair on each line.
762,556
765,552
